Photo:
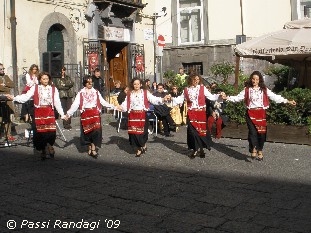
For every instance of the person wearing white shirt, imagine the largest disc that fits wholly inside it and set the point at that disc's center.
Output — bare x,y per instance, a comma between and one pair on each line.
198,135
256,96
90,102
27,110
46,99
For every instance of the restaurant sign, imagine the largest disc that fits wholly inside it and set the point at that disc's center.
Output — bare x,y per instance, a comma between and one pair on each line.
282,50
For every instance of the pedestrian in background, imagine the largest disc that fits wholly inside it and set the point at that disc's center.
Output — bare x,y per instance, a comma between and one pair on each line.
98,82
65,88
256,97
6,107
27,110
163,113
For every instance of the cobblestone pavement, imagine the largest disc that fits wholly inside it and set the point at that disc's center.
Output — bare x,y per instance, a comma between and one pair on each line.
162,191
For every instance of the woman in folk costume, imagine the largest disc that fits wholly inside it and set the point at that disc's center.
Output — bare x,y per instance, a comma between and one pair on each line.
198,137
256,96
137,105
89,101
46,98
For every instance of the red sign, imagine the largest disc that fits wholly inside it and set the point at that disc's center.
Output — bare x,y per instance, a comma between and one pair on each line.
93,61
161,41
139,60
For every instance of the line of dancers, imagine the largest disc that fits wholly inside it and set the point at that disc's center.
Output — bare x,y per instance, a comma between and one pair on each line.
89,102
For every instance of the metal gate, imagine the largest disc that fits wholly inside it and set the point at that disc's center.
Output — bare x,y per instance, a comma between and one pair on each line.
74,72
92,56
137,61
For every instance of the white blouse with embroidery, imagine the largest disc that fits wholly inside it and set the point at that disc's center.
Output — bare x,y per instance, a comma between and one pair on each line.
256,98
89,100
45,97
137,101
193,93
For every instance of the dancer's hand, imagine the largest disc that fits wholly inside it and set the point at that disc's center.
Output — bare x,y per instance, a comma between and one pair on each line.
10,97
223,95
119,108
292,102
65,117
167,98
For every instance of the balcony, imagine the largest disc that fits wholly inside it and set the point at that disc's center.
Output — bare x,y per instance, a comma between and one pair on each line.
132,3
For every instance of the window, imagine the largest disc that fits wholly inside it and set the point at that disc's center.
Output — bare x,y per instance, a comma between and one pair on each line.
193,66
189,19
307,11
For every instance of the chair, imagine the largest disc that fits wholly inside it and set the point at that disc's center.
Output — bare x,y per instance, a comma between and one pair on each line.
120,117
152,117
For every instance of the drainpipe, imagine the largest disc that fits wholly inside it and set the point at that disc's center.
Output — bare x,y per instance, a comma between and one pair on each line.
14,51
237,58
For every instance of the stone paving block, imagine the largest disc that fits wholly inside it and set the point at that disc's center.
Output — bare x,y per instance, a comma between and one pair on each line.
302,212
138,223
174,202
241,227
196,219
269,220
258,207
241,216
101,209
178,226
208,209
224,197
298,225
275,230
147,209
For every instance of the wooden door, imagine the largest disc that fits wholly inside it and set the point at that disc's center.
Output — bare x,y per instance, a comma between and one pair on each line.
118,68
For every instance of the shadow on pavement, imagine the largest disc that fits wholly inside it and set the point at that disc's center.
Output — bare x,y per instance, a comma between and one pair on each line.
143,199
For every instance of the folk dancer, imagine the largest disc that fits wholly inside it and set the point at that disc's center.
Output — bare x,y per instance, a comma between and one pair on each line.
256,97
90,102
198,136
136,104
46,99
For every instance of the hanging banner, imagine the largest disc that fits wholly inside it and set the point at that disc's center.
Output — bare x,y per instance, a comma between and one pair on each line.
93,61
139,61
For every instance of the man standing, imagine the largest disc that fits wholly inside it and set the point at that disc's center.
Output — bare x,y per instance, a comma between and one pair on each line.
6,107
163,113
181,76
66,93
98,82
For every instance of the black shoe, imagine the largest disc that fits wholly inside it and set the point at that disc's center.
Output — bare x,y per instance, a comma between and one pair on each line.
173,128
193,154
43,155
94,154
202,154
138,153
169,135
143,150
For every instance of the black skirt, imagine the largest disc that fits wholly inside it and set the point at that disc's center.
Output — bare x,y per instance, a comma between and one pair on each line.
195,141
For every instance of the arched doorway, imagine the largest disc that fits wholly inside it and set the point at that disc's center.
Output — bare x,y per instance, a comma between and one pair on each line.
55,40
53,59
